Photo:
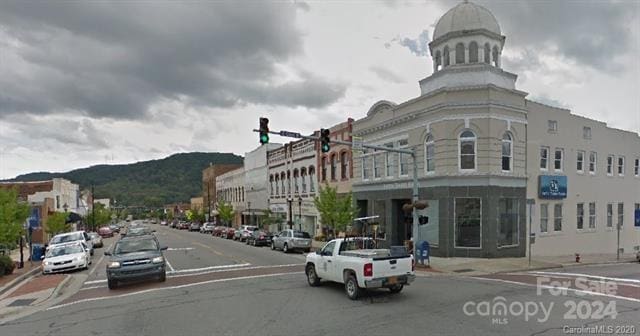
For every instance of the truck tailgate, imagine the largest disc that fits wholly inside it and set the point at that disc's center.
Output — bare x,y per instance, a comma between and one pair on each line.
391,267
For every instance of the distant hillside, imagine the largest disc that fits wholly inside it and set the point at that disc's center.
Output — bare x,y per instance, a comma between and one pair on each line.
176,178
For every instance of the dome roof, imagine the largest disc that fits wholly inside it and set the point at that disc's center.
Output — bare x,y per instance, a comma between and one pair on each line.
466,16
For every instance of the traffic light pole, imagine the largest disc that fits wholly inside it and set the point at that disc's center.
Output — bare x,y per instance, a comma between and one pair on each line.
415,232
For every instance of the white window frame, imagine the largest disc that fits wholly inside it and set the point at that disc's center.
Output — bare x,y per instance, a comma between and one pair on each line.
545,218
579,216
555,160
610,215
475,151
610,162
388,160
620,214
401,156
636,167
556,217
377,169
429,142
592,215
586,132
552,126
546,165
509,141
363,162
621,165
594,163
580,161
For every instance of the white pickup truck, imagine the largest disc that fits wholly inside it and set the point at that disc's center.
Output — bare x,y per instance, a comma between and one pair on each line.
355,263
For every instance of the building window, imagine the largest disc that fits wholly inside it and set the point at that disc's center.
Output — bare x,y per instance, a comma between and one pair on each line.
58,201
621,165
438,64
303,179
468,222
496,62
289,183
324,168
295,181
558,161
544,217
459,53
365,166
586,132
404,158
446,56
544,158
473,52
429,154
580,161
610,215
610,159
507,151
467,145
334,167
271,185
487,53
593,157
508,226
344,165
283,178
580,216
592,215
557,217
389,160
636,168
620,214
377,164
552,126
312,175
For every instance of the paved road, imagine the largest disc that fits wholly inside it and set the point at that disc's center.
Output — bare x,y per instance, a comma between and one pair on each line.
270,297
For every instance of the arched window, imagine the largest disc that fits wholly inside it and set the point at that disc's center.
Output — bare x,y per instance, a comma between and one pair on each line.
288,182
467,147
334,167
303,179
344,165
295,181
496,62
473,52
271,185
283,178
446,56
429,154
487,53
312,175
324,168
438,60
277,180
459,53
507,152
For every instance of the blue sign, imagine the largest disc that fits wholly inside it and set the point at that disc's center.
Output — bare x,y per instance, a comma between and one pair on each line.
553,187
637,219
34,218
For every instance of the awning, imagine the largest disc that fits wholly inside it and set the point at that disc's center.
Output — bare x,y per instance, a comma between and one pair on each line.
73,218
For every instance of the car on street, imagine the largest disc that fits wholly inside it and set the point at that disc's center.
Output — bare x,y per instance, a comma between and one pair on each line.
163,223
217,231
183,226
66,257
96,239
259,238
243,232
355,263
68,237
115,228
230,233
105,232
135,258
291,240
195,226
138,231
207,227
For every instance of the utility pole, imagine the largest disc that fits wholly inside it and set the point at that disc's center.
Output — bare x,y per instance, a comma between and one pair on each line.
290,201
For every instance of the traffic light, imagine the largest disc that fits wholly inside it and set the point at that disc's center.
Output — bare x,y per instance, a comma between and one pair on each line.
324,140
264,131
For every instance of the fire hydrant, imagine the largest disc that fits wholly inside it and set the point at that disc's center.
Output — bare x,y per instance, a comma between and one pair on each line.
577,257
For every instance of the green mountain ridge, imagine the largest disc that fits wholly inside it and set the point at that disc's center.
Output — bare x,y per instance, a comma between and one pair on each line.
153,183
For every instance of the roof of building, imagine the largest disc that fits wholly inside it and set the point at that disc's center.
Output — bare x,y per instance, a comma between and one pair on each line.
466,16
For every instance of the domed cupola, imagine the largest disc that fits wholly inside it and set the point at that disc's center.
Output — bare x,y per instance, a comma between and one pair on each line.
466,34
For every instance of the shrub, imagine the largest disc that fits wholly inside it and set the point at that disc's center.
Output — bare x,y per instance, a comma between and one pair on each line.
6,265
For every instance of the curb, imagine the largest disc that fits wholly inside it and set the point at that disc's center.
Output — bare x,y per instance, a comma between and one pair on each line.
18,280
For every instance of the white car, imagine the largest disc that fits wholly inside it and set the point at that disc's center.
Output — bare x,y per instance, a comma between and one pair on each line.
66,257
69,237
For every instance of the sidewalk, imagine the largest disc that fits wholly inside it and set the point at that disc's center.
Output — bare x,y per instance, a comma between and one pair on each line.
19,274
31,295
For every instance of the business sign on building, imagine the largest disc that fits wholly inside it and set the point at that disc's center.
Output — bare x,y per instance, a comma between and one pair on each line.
637,218
552,187
34,218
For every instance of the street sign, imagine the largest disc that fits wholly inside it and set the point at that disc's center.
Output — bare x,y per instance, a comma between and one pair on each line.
290,134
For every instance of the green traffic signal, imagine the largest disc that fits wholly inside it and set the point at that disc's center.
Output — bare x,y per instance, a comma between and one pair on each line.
325,148
264,138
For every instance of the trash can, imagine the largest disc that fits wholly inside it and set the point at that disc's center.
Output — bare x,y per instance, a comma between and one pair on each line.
423,251
37,252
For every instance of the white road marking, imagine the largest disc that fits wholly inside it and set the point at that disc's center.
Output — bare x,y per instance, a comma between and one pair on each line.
94,282
559,288
180,248
172,287
169,264
208,268
99,261
634,281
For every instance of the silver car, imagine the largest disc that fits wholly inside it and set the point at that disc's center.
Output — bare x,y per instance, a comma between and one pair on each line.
291,240
96,239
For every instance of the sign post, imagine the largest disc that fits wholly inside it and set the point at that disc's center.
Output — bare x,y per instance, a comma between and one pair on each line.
531,202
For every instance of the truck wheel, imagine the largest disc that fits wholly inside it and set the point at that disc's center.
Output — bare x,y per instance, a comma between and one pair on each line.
112,284
351,287
396,289
285,248
312,277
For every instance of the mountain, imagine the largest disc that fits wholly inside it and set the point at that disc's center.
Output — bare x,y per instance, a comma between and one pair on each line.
153,183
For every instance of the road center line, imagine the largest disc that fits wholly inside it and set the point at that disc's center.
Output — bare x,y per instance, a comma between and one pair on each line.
208,247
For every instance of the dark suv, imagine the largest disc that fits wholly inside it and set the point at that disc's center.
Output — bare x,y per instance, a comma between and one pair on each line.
135,258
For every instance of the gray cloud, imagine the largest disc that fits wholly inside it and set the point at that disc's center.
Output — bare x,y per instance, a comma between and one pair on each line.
418,46
116,59
386,74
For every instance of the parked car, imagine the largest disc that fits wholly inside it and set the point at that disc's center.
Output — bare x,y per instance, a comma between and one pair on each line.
207,227
243,232
217,231
96,239
183,226
115,228
105,232
66,257
359,269
291,240
195,226
163,223
135,258
259,238
71,237
230,233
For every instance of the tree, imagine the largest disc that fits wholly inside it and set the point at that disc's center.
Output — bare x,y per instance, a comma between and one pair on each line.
13,214
226,212
269,219
57,223
102,216
335,211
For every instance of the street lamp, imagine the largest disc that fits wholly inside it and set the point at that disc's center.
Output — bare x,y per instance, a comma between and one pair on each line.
249,211
290,201
65,207
300,213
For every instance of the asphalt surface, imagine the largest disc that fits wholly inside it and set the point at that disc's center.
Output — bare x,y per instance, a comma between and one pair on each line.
221,287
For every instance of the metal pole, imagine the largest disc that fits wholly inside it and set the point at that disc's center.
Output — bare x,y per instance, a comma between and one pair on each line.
530,210
416,238
93,208
300,214
618,244
290,213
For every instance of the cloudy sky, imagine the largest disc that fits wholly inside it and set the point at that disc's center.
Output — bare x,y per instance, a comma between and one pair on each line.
84,83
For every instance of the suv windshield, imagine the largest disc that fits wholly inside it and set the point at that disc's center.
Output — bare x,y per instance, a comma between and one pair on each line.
63,250
137,245
300,234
